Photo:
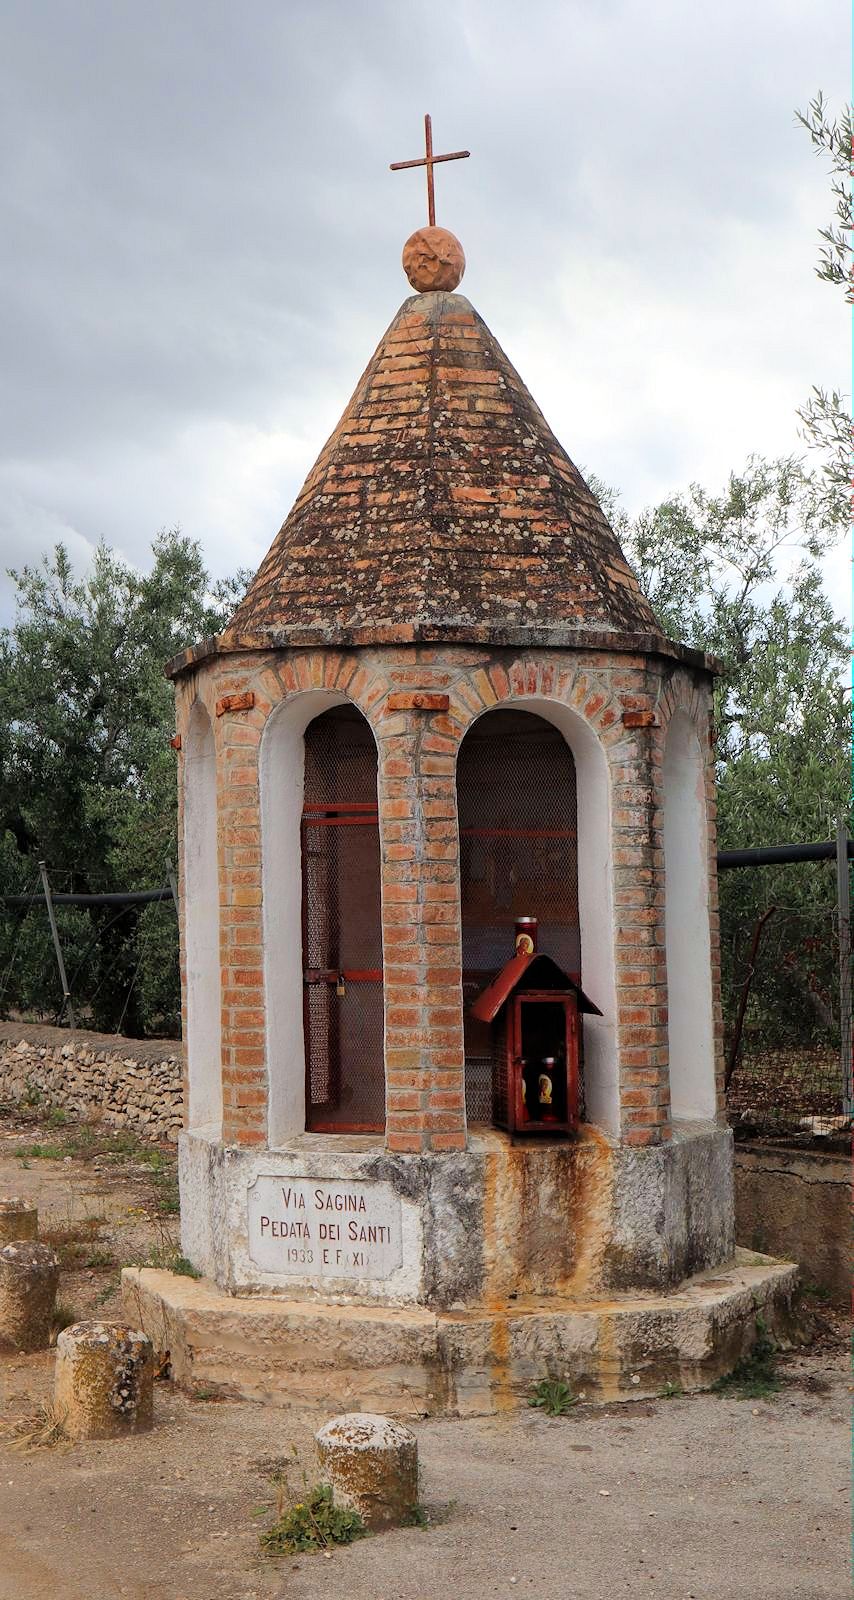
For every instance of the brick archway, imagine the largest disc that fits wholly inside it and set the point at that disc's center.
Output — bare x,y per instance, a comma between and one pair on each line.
516,799
341,927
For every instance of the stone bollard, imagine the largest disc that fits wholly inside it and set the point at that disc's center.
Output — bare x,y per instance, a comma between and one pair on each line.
29,1274
18,1220
372,1465
104,1383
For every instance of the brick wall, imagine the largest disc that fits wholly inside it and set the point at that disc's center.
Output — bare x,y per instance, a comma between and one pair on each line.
625,700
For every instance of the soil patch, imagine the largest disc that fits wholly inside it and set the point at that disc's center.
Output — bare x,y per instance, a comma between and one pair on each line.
690,1498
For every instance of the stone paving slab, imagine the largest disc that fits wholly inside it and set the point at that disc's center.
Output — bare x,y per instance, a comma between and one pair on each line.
296,1353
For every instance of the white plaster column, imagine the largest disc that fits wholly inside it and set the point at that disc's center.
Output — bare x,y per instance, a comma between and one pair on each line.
689,971
201,910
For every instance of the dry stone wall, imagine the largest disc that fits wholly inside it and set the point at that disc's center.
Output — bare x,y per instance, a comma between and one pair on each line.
128,1084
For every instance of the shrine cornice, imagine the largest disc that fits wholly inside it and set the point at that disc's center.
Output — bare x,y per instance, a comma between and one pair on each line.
376,636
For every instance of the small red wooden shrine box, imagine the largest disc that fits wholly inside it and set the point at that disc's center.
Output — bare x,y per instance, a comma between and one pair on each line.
534,1007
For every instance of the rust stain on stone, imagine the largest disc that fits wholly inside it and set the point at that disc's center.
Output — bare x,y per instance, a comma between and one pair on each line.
591,1203
501,1378
547,1218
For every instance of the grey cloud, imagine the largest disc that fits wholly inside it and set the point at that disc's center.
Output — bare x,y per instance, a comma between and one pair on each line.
201,236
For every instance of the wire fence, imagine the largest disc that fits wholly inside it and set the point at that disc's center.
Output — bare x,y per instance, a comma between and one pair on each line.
783,1064
787,999
104,961
110,962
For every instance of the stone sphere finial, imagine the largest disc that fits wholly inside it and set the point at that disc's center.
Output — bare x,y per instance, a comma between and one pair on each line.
433,259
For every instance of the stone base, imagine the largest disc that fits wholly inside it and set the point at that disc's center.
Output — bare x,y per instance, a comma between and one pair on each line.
410,1360
580,1219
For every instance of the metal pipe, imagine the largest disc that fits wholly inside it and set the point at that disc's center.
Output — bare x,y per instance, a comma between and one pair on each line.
132,897
66,992
778,854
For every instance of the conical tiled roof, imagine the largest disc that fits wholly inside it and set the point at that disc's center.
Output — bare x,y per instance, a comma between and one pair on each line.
442,507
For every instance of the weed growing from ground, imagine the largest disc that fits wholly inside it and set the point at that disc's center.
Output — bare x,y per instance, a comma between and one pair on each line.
156,1159
166,1257
314,1523
42,1431
185,1268
63,1317
553,1396
100,1261
166,1190
40,1152
419,1517
78,1244
671,1391
755,1376
85,1140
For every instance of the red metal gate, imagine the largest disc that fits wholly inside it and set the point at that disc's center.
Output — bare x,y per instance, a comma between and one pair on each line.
342,934
516,798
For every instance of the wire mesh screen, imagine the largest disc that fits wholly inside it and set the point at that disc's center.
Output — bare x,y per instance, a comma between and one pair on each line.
782,1017
518,857
342,936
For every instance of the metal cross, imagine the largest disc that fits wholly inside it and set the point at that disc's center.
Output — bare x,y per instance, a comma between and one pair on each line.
429,161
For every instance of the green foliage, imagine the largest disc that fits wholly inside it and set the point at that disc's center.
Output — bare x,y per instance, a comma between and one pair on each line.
185,1268
153,1158
64,1316
162,1257
826,416
87,776
166,1257
419,1517
312,1524
737,574
165,1181
40,1152
833,137
755,1376
553,1396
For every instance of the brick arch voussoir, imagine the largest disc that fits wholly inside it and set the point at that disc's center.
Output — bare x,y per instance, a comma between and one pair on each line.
582,690
277,681
681,697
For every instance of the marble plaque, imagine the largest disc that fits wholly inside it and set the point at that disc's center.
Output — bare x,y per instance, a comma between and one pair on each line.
324,1228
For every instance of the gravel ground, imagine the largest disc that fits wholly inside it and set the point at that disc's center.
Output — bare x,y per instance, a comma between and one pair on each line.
695,1498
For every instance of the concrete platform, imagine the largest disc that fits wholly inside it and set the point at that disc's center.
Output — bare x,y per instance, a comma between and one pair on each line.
308,1355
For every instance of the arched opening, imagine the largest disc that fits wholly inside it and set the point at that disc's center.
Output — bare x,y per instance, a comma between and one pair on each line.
318,770
689,972
341,926
516,796
201,929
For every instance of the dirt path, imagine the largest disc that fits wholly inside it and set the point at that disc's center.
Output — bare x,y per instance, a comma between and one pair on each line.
696,1498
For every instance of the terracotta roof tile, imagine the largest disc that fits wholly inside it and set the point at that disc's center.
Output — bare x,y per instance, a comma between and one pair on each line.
443,500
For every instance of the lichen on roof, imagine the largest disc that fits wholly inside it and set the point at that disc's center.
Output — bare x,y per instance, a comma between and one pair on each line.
442,506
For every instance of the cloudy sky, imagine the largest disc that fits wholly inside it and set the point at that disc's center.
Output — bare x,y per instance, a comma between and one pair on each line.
201,240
